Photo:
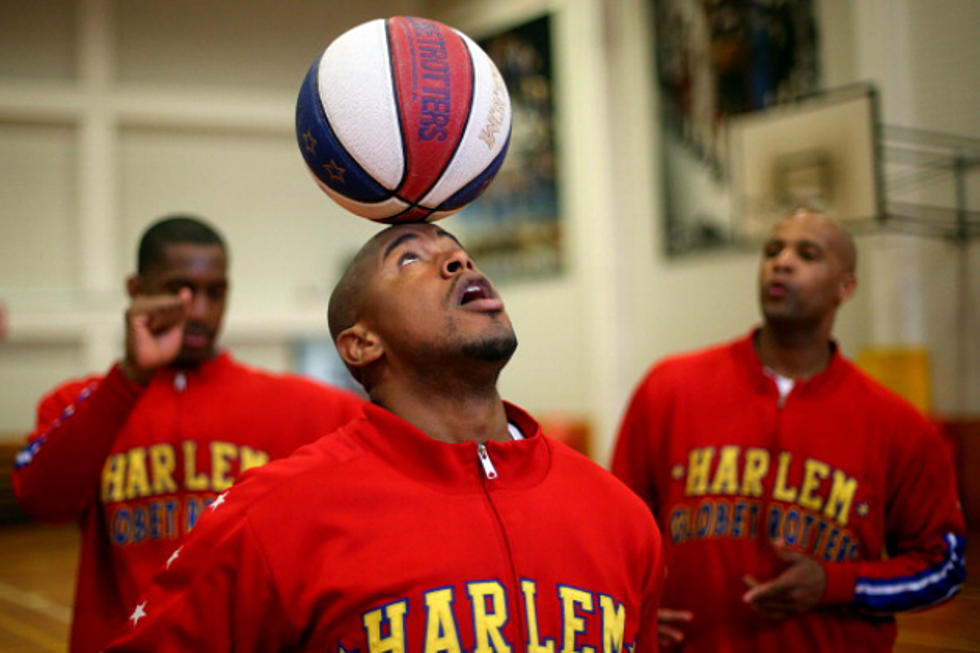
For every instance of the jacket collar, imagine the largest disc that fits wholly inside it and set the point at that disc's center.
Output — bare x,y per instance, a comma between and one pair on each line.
209,370
745,352
455,467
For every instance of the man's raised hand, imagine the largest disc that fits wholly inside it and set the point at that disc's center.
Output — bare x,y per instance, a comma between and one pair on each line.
154,333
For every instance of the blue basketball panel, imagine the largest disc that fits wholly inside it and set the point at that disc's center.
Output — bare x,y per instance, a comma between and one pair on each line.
324,154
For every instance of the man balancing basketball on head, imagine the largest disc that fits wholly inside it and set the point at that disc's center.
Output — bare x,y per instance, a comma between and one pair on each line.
803,503
136,455
441,520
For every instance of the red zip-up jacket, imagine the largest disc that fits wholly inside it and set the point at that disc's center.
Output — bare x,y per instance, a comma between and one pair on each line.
843,470
136,466
379,538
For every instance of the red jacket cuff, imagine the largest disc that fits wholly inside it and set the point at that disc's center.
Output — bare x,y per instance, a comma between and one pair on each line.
841,579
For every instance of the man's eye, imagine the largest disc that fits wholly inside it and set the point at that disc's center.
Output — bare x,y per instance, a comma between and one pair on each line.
406,258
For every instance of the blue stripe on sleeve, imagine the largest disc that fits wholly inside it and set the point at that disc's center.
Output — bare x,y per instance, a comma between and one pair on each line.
932,585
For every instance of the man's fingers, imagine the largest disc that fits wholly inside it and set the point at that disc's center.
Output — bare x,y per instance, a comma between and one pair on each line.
750,580
773,589
784,553
674,616
161,311
670,635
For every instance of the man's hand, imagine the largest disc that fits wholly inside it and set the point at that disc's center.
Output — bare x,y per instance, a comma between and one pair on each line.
154,333
796,590
666,622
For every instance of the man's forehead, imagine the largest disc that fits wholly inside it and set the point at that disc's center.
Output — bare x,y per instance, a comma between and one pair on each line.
389,239
182,255
805,226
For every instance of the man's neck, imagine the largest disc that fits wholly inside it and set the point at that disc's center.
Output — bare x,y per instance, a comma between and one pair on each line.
448,416
796,354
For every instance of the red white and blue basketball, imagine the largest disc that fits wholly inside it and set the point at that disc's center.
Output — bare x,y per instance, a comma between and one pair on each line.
403,120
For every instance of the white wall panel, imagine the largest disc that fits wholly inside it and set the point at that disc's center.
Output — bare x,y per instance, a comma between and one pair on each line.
288,240
38,253
226,43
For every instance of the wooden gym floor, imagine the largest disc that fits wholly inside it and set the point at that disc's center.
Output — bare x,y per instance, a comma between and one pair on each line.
37,576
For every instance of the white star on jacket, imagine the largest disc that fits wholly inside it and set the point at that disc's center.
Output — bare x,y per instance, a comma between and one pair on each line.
218,501
173,556
138,613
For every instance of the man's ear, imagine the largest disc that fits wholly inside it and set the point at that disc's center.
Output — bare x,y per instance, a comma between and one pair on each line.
134,285
848,286
359,346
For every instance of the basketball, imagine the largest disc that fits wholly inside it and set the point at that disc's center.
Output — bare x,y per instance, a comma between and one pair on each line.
403,120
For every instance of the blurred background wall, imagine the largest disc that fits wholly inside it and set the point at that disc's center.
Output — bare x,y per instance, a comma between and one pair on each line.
113,113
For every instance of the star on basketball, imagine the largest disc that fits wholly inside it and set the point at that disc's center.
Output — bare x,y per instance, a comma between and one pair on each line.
309,143
138,613
335,171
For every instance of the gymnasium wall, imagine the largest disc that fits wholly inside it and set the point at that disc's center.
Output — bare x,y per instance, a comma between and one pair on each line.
112,113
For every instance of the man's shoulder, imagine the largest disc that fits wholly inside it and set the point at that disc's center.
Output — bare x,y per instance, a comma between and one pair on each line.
313,467
590,478
876,397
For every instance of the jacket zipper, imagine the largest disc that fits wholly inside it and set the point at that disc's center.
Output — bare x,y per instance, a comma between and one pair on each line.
488,469
490,473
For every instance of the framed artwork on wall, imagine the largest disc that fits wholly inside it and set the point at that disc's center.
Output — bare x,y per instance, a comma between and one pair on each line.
514,229
716,59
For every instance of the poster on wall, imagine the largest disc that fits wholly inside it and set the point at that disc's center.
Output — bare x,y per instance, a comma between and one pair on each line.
716,59
514,229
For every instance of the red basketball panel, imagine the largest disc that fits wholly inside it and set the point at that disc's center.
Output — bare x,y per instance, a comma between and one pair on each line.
433,78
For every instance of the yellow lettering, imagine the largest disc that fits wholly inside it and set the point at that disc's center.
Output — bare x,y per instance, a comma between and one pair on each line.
842,492
162,462
440,625
699,461
394,614
222,453
814,471
782,492
112,478
756,466
534,644
613,624
253,458
726,475
137,481
573,624
193,480
487,624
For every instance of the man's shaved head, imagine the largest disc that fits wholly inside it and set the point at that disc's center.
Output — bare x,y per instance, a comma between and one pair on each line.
346,300
838,240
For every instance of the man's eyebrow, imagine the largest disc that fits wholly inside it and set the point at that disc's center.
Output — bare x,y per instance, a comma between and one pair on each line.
445,234
408,235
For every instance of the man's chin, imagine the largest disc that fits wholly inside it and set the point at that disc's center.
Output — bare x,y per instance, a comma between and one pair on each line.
492,350
191,356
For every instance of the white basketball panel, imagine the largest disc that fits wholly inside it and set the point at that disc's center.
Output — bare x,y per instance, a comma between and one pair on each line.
361,106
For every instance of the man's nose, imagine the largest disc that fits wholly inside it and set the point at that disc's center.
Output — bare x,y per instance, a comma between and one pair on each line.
784,260
199,303
456,262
